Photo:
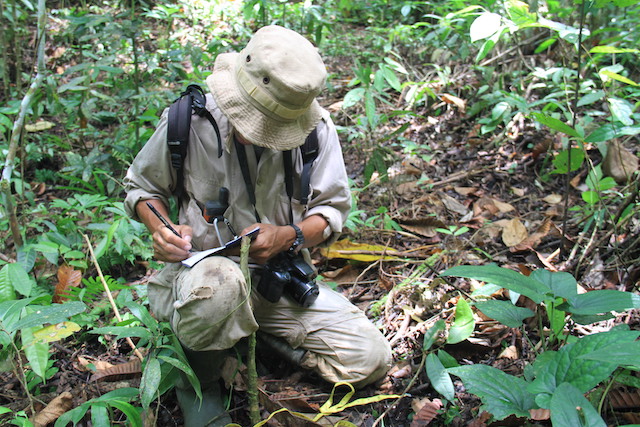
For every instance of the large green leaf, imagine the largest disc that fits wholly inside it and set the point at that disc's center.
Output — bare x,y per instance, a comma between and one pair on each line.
7,292
439,377
627,354
504,312
432,333
569,407
150,382
52,314
36,351
566,365
556,124
561,284
19,278
610,131
502,394
601,301
463,323
503,277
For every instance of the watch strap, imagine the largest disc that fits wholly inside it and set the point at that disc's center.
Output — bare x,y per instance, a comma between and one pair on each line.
299,241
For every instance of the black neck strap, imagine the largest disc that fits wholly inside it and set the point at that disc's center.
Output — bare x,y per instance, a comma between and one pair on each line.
246,175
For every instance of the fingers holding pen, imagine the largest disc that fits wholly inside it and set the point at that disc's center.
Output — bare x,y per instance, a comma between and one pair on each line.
170,247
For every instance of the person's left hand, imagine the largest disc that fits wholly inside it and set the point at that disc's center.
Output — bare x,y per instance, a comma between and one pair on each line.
270,241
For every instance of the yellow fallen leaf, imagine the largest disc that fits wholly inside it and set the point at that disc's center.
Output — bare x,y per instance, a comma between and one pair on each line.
39,126
358,251
56,332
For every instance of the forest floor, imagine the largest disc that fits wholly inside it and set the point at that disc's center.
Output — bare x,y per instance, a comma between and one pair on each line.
495,187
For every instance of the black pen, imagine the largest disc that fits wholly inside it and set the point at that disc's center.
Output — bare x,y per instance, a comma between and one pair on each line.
164,221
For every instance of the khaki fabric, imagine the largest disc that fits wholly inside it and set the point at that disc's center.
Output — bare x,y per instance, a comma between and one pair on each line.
212,310
210,306
151,176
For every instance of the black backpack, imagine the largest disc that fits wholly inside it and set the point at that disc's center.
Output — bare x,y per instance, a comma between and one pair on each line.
192,101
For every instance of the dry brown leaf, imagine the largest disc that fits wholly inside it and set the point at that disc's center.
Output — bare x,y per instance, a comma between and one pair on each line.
67,277
58,406
503,207
619,163
514,233
510,352
118,372
406,188
452,204
539,414
624,399
534,240
465,191
553,199
481,420
454,100
520,192
427,412
97,364
423,226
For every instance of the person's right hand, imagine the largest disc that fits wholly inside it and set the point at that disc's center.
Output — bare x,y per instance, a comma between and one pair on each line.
170,248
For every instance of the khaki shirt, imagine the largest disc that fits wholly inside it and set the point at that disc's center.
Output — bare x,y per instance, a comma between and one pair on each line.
151,176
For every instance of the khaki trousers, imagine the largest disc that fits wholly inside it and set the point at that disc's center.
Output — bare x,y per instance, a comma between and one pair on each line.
210,307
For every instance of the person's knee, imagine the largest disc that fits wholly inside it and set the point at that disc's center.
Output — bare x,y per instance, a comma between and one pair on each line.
212,309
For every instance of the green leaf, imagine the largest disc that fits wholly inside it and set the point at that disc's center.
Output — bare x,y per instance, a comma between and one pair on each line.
502,394
100,416
569,407
566,365
626,355
432,333
7,292
503,277
560,284
561,161
612,49
621,110
615,76
19,278
123,332
55,313
463,324
610,131
601,301
504,312
133,416
150,382
36,351
353,97
142,314
557,125
590,98
439,377
484,26
590,197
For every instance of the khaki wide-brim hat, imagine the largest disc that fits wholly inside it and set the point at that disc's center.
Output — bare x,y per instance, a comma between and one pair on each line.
268,90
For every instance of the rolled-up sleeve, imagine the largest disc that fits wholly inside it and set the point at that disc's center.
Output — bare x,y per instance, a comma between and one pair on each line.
151,175
331,197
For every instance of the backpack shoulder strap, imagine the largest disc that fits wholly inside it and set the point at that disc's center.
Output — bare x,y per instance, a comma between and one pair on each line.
309,151
309,154
191,101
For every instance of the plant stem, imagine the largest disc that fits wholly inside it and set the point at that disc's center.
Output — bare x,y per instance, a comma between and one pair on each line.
567,183
252,373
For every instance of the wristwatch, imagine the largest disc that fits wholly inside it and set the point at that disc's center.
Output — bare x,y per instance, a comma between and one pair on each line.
297,244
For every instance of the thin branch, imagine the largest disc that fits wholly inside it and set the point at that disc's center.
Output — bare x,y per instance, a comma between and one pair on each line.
116,312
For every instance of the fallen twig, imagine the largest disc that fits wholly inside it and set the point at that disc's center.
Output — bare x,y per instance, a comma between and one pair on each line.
110,296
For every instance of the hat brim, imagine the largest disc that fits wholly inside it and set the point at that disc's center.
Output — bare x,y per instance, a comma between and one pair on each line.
255,126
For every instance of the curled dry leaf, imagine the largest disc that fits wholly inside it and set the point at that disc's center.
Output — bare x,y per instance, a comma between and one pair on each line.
118,372
624,399
619,163
454,100
423,226
427,412
55,408
67,277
